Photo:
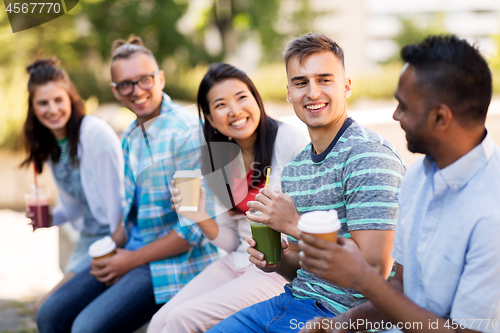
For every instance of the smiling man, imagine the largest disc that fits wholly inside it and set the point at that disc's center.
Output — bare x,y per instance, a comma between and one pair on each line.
446,244
346,167
158,252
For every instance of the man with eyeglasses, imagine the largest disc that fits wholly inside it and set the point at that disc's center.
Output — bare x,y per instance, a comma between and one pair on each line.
158,252
126,88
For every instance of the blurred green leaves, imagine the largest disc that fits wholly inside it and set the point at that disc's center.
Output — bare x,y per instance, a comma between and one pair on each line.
82,41
416,28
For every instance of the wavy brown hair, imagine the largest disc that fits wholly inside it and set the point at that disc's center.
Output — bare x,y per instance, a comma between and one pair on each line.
40,143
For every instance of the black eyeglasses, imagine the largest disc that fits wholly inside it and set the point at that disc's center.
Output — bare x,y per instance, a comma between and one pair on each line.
146,82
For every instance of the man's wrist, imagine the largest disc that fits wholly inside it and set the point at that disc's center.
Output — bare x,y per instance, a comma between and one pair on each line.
294,231
368,281
135,259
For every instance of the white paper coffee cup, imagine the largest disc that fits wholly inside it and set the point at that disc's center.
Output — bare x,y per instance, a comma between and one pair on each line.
104,247
321,224
188,182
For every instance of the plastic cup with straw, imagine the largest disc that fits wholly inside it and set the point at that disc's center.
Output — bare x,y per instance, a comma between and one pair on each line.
268,241
37,202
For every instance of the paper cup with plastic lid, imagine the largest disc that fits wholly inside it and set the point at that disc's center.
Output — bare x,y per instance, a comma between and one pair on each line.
321,224
188,182
102,248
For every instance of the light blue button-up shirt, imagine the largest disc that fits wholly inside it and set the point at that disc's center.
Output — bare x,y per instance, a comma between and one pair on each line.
448,237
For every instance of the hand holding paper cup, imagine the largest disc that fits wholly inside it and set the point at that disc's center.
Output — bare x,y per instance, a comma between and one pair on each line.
188,182
320,224
102,248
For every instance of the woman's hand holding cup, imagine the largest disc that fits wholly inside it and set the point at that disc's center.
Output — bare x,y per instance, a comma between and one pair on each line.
195,216
38,207
32,216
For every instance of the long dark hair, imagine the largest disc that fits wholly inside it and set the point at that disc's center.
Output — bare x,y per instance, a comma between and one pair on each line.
266,130
40,143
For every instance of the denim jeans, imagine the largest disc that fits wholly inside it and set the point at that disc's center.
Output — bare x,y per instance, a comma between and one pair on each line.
84,304
279,314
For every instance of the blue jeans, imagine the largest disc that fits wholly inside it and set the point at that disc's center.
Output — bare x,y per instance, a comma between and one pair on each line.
84,304
279,314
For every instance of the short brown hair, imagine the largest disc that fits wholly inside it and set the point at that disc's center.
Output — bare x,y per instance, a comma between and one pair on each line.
311,43
123,49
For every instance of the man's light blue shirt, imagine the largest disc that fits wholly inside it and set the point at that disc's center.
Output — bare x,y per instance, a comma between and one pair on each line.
448,237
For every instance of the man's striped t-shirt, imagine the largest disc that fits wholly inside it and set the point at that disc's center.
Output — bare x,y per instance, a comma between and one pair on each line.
358,175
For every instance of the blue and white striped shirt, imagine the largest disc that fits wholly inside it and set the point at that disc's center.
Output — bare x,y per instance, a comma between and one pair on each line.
358,175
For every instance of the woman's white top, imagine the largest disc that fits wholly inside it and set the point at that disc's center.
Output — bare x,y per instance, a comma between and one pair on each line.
233,230
101,171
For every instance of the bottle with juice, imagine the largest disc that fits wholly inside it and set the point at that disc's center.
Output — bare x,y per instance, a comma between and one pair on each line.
268,241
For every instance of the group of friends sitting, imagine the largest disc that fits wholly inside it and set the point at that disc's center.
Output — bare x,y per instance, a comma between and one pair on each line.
417,250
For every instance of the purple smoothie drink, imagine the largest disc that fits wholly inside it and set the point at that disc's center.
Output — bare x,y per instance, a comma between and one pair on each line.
37,202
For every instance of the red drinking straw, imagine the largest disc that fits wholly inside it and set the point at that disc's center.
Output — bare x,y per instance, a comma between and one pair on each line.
34,169
39,208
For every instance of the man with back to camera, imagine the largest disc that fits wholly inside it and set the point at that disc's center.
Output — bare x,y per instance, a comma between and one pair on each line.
158,251
446,244
346,167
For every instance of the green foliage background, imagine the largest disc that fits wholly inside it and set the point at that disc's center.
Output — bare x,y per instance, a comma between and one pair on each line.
82,38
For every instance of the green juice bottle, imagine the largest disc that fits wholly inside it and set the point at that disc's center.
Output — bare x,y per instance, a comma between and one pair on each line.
268,242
